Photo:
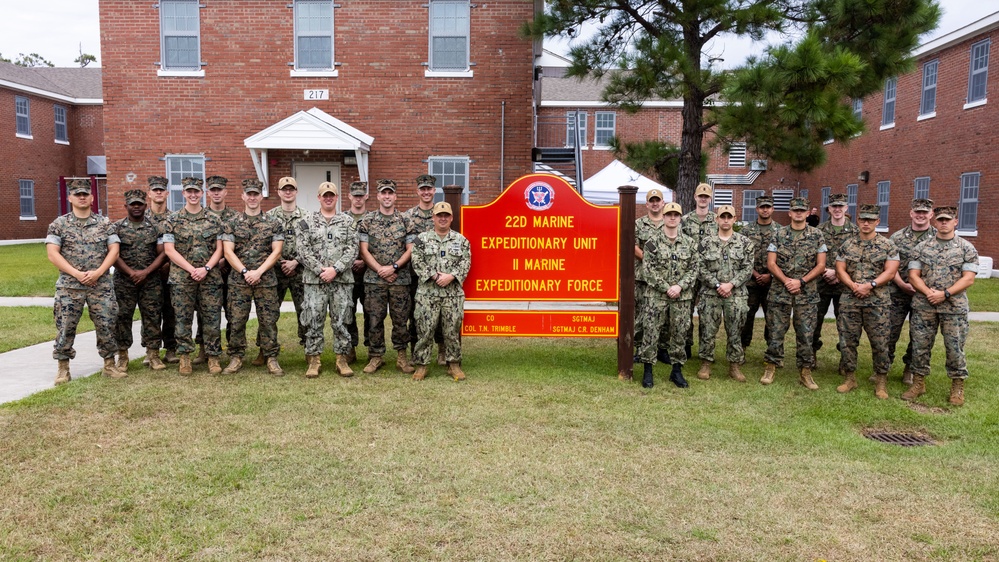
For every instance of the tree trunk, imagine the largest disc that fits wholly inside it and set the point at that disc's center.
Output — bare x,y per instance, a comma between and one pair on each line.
690,150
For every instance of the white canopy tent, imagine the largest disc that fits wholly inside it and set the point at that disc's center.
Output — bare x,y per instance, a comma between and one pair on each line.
601,187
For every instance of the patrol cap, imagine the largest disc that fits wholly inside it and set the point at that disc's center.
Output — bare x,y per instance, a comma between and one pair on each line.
135,196
426,180
328,187
869,212
838,200
442,207
252,185
217,182
702,189
653,193
358,188
672,208
922,204
764,201
80,185
287,181
386,184
945,212
157,182
725,209
799,204
192,183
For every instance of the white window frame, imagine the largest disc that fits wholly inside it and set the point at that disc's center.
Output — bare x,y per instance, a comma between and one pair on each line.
782,199
888,107
826,193
928,97
440,27
921,188
450,170
737,155
978,74
851,200
749,196
605,130
884,199
967,206
59,117
22,112
858,108
320,6
26,198
178,167
166,17
570,134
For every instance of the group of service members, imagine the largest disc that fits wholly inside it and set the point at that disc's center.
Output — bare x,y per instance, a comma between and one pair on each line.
794,273
198,261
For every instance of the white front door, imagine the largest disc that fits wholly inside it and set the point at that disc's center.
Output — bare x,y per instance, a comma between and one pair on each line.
309,176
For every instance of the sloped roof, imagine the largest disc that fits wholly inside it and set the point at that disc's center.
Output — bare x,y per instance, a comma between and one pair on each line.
562,90
312,129
601,187
70,84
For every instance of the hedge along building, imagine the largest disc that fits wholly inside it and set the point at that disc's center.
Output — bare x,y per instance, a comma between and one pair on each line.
317,90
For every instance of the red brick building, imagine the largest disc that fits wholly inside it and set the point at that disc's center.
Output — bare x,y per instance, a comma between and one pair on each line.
52,128
318,90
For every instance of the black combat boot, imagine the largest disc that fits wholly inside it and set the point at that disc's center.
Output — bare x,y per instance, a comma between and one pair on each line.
647,376
676,376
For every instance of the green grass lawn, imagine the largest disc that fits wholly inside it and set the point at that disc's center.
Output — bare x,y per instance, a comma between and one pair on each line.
542,454
22,326
26,271
983,296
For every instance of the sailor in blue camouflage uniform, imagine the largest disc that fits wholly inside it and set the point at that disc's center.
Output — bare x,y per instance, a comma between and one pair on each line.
941,270
644,227
697,224
906,240
441,260
83,246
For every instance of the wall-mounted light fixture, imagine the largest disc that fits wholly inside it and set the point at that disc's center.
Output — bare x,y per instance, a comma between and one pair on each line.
864,176
350,160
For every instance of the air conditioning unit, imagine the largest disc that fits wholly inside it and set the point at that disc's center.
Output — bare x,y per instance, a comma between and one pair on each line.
758,165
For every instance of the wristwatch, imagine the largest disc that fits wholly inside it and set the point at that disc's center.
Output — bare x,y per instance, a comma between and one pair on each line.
243,271
874,284
208,268
946,294
717,285
395,265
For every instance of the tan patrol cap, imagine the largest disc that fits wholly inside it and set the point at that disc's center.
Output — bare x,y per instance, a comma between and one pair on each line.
653,193
287,181
672,208
442,207
328,187
703,189
725,209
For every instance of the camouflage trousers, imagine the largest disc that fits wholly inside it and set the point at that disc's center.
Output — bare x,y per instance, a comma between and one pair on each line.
332,298
923,326
779,320
357,296
379,302
414,324
640,288
268,309
825,299
68,309
711,313
297,288
756,300
168,327
206,300
690,325
149,298
901,306
661,314
851,321
199,337
443,315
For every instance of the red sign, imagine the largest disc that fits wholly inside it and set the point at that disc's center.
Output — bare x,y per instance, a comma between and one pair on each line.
541,241
515,323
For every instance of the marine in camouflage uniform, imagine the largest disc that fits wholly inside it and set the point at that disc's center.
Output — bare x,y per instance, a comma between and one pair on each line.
796,258
865,265
941,270
253,242
830,291
387,238
441,260
83,246
356,212
216,185
643,231
697,227
725,267
158,213
192,242
906,241
137,280
421,216
289,282
327,246
758,286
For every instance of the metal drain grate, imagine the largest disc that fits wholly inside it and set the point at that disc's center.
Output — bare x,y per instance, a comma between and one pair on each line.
900,439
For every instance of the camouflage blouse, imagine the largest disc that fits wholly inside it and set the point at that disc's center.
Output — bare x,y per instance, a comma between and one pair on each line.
432,254
194,236
670,262
326,242
726,261
253,238
797,254
865,260
941,263
387,237
84,244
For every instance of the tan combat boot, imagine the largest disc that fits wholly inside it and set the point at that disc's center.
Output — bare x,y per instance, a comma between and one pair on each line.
421,373
171,356
917,389
805,378
881,386
200,357
907,376
402,362
704,373
957,392
185,364
235,364
351,356
343,366
273,367
153,357
259,360
110,370
441,358
375,362
849,384
735,372
214,367
122,363
312,367
769,370
62,375
454,369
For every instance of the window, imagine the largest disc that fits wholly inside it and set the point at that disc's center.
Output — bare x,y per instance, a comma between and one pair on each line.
450,170
979,72
782,199
884,187
888,110
967,209
803,193
27,189
23,111
450,24
921,188
928,101
749,204
180,36
858,109
826,192
314,35
61,133
570,132
179,167
851,201
604,124
737,155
